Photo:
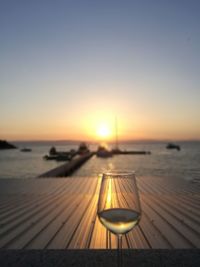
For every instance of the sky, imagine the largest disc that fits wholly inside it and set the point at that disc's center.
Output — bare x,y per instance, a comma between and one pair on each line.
69,68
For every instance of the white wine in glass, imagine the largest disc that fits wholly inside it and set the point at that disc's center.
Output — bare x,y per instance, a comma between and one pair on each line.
119,204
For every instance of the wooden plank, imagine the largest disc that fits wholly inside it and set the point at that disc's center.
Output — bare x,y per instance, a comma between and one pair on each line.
38,220
179,222
62,213
25,239
66,232
166,226
22,225
50,229
83,234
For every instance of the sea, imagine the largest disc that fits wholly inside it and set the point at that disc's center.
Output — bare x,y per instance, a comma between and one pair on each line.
162,162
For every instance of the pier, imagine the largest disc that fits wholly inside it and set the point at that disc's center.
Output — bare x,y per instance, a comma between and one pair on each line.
139,152
69,167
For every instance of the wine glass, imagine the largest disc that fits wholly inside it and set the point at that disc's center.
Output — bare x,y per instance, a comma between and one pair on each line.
119,204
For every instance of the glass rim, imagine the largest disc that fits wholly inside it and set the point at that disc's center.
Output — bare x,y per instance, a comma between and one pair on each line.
116,173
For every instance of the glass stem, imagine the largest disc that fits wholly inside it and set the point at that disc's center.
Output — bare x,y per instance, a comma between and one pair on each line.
119,249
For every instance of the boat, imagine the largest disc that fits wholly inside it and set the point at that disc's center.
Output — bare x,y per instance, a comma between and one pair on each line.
173,146
25,149
53,151
50,157
60,155
103,152
83,149
117,151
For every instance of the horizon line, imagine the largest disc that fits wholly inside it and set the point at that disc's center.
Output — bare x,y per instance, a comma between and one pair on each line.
106,141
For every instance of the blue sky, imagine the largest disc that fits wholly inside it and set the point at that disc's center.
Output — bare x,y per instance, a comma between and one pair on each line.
68,65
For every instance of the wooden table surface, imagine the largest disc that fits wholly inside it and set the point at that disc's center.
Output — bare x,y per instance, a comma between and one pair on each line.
60,213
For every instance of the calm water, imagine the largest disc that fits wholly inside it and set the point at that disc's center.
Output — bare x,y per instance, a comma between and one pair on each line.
184,164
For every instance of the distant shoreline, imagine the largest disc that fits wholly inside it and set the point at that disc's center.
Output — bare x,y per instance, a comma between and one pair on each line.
5,145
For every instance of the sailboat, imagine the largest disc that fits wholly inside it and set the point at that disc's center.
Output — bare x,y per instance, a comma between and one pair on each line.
103,152
116,149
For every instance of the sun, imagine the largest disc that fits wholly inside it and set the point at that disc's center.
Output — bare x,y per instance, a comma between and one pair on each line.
103,131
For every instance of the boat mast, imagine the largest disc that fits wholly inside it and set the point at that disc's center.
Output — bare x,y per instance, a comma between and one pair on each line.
116,134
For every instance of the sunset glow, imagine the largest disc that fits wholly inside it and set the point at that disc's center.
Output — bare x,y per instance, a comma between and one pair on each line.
103,131
67,74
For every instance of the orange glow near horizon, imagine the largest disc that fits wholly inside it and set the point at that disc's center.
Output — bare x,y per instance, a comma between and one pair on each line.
103,131
98,126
